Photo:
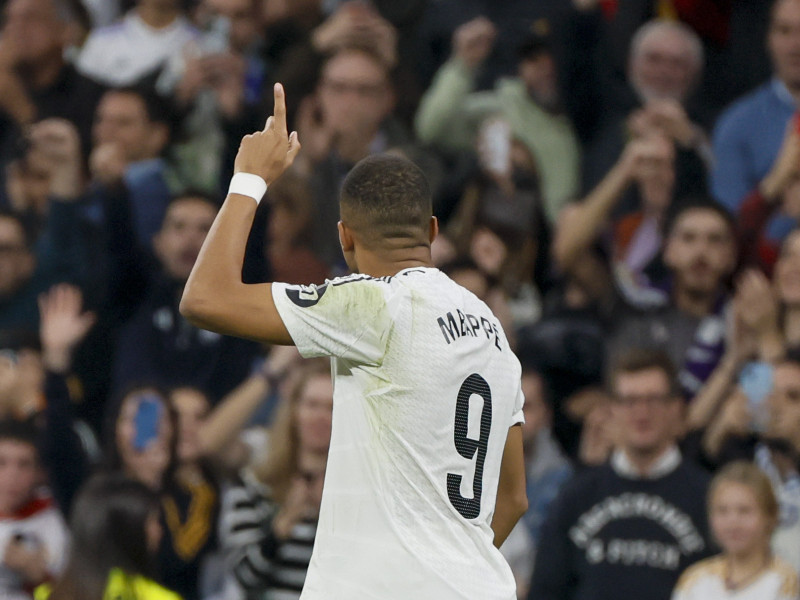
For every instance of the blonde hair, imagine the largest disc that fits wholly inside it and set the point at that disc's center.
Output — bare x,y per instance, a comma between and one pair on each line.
749,475
281,463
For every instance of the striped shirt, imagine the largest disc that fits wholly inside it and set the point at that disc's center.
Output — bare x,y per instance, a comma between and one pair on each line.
266,567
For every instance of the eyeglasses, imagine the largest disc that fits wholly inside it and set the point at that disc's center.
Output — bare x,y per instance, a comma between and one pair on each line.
650,400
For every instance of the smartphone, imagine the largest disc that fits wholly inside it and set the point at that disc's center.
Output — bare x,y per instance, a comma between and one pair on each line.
146,421
497,140
755,379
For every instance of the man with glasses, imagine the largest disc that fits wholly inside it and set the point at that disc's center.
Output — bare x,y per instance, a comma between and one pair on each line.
628,529
348,118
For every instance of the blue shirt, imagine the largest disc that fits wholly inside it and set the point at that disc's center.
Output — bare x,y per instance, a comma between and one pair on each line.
747,139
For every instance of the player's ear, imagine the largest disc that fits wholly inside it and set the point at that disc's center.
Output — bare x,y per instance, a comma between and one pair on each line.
434,229
345,237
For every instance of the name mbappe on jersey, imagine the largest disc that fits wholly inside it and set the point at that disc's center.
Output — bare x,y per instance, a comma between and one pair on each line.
463,324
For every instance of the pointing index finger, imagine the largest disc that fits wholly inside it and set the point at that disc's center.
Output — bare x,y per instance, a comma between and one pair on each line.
279,120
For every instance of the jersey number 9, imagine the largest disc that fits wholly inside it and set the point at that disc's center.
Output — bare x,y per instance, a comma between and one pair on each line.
470,508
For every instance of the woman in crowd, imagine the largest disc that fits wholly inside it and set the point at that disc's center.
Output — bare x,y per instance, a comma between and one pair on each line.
115,535
743,513
189,499
269,520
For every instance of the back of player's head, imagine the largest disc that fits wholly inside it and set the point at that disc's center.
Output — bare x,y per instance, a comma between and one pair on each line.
386,197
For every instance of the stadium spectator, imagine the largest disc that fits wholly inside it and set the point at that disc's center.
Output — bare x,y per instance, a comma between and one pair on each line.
665,62
346,119
140,436
60,252
547,469
131,132
290,243
116,532
635,241
499,222
743,512
138,46
157,344
451,111
515,20
628,528
686,318
36,82
269,520
762,425
69,447
225,437
756,130
34,539
777,194
189,501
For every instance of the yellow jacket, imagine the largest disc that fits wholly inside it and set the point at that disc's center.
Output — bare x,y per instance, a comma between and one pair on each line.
122,586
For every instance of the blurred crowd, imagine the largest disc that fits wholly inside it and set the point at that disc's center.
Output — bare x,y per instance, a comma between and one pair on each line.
619,180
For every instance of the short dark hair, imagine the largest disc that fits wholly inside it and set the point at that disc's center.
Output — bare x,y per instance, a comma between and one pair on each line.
679,208
635,360
19,431
157,108
195,194
386,196
108,525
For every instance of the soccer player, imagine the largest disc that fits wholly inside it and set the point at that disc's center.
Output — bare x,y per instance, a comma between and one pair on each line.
425,468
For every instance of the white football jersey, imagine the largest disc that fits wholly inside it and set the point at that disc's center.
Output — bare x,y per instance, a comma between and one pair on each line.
425,390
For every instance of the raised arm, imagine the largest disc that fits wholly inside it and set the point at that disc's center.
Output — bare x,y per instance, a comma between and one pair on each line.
512,499
215,297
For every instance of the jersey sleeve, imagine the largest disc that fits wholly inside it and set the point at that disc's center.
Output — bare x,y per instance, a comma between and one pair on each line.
347,317
518,418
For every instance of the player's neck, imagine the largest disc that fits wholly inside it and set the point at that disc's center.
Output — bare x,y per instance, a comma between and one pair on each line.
388,263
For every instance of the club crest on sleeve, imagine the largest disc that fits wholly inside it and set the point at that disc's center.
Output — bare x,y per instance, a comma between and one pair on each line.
305,296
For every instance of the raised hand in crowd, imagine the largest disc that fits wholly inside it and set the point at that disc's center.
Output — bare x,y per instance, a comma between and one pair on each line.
63,325
220,429
222,73
669,117
302,502
357,23
581,223
55,144
473,41
107,163
734,419
785,169
754,334
757,314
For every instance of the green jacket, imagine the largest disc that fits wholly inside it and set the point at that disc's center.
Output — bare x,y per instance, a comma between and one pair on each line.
451,113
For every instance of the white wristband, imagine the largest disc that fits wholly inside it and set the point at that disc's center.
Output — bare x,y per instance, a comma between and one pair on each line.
248,184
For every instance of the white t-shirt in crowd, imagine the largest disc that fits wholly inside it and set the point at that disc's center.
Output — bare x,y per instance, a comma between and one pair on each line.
38,525
706,581
123,53
425,390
